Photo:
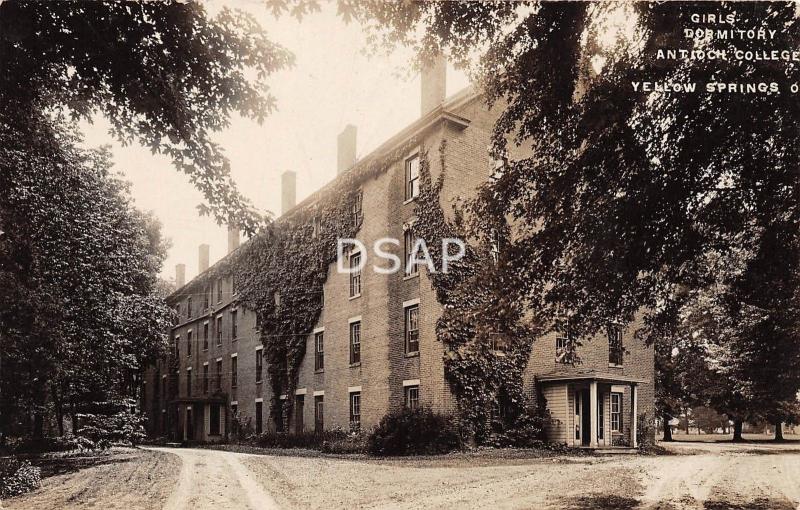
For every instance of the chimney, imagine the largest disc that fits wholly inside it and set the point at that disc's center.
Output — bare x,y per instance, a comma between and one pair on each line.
233,238
347,149
180,275
202,265
434,84
288,190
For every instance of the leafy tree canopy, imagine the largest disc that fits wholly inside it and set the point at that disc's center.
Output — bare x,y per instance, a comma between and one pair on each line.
165,74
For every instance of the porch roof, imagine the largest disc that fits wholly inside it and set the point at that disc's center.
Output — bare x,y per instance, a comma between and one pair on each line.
589,375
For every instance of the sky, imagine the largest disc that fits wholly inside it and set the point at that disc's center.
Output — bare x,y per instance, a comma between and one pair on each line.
333,83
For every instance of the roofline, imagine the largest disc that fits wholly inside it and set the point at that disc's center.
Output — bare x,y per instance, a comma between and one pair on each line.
443,112
599,376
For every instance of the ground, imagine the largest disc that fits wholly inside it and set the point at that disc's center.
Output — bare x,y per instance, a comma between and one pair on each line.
699,475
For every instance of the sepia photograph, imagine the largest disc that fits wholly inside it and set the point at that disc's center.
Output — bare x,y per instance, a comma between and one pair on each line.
399,254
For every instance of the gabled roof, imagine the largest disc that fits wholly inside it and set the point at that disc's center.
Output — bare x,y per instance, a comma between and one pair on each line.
446,112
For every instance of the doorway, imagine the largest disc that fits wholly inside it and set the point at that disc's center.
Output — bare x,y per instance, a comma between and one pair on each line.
586,418
189,424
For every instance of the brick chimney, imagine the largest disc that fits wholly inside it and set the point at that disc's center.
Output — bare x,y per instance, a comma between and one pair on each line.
202,261
233,238
346,156
288,190
434,84
180,275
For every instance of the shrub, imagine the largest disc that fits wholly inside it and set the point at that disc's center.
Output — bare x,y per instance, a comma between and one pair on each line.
526,431
415,432
49,444
122,427
342,442
329,441
18,477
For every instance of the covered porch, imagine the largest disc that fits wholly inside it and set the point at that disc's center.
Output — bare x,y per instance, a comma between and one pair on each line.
592,409
201,419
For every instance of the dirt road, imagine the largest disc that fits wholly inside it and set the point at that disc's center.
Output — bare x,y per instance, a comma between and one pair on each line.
215,479
699,476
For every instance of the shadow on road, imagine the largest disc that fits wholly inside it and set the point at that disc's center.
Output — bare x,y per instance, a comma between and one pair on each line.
599,502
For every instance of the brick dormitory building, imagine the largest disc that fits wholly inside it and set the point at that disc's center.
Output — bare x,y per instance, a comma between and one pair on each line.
374,347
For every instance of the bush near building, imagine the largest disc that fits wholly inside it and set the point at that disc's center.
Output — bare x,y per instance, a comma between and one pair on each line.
415,432
17,477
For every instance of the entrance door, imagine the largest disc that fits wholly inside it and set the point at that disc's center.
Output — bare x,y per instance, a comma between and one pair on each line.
189,423
586,418
299,404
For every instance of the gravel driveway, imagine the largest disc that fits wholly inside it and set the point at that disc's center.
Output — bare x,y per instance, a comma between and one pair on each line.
699,476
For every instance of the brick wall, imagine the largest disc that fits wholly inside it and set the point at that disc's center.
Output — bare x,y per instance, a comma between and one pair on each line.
384,363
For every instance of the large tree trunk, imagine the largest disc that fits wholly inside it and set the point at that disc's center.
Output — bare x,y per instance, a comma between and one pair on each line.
59,408
737,429
38,425
667,429
779,431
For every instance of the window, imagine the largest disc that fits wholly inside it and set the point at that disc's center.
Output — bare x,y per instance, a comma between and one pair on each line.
215,416
189,308
234,325
495,245
164,387
319,351
408,242
600,416
205,336
234,410
234,371
189,343
189,382
234,287
355,274
497,343
219,374
219,330
177,347
355,409
319,413
205,299
259,364
219,291
355,342
205,378
259,417
412,397
412,329
315,227
412,177
561,349
616,412
615,350
357,208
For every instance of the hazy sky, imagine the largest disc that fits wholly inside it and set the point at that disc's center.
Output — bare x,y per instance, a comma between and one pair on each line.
332,84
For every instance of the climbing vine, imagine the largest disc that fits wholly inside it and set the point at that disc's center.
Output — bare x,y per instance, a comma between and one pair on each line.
280,273
484,327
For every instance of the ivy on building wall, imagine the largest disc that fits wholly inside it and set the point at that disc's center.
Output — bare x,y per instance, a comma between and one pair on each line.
280,273
485,326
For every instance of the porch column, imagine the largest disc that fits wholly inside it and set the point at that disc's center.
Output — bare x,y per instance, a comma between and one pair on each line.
593,414
634,414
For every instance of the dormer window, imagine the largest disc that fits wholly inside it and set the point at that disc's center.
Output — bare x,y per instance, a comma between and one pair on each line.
412,177
189,308
356,210
615,348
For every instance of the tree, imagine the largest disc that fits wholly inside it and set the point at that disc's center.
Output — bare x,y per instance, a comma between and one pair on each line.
80,314
633,191
165,74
